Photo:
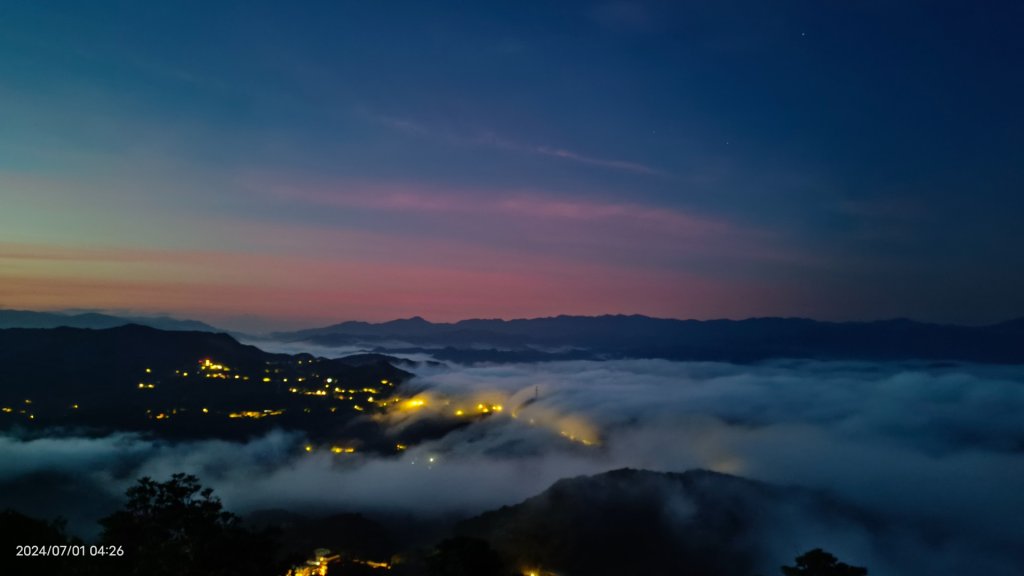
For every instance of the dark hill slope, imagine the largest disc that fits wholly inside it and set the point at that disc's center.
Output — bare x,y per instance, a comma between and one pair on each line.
123,378
641,522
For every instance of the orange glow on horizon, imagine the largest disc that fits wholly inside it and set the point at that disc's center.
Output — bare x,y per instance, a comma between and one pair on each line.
219,286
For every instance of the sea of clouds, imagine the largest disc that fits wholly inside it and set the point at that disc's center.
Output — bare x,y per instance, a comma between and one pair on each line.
934,454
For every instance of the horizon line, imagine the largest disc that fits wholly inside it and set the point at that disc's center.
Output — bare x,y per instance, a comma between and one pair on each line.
127,315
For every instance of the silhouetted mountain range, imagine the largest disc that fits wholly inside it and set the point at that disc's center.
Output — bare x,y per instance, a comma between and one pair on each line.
572,337
620,336
30,319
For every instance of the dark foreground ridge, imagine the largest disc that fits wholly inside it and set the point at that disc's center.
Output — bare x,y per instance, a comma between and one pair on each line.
620,522
641,522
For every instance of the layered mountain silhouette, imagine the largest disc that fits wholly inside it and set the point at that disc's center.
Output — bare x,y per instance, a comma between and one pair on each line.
30,319
622,336
574,337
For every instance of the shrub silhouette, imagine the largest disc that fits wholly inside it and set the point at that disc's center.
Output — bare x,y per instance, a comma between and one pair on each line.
818,562
178,527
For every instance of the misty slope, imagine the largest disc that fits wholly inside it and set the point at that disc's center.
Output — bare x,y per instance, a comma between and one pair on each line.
30,319
641,522
716,340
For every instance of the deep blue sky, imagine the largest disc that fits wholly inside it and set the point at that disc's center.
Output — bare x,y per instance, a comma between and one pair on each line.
273,164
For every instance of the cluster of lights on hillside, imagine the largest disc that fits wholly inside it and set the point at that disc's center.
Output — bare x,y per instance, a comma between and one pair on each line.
323,558
26,411
253,414
572,428
305,381
333,396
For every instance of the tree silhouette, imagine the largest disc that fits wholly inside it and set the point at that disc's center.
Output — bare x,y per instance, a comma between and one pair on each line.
818,562
179,527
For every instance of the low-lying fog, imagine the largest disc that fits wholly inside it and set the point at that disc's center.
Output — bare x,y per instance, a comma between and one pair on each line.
936,452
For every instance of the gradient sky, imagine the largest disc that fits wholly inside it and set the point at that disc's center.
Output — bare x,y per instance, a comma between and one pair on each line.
263,165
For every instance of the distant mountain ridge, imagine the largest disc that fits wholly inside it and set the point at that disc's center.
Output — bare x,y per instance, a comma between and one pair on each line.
618,336
95,320
622,336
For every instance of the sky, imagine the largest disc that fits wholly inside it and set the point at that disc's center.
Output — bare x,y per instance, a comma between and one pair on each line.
271,165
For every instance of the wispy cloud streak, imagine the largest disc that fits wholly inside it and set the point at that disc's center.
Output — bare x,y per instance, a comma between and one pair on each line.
491,140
